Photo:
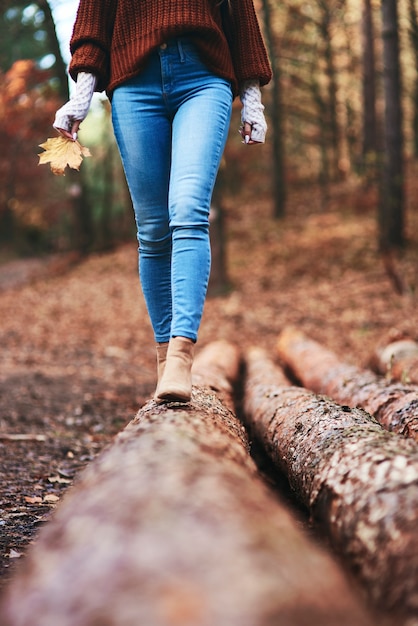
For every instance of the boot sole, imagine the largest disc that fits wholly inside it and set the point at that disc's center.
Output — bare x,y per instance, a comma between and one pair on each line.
173,396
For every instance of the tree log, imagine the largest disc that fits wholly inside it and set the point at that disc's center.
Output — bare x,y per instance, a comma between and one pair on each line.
358,480
394,405
171,526
217,369
398,360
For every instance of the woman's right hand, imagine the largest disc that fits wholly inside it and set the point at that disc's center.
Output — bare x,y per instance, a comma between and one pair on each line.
69,117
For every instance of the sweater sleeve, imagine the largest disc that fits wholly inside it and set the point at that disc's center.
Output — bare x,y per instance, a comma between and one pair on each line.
245,40
91,40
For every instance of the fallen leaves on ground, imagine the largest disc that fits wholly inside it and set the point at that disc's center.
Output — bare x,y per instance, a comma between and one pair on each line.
61,152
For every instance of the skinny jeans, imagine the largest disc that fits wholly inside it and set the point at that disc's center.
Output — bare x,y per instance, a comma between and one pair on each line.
171,124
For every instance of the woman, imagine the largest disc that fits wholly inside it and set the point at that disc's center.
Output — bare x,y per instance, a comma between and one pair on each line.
171,70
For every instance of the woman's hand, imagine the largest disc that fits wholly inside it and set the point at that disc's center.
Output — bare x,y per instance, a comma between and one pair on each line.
254,126
69,117
245,131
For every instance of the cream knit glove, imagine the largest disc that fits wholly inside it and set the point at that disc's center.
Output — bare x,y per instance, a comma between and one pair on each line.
253,110
78,106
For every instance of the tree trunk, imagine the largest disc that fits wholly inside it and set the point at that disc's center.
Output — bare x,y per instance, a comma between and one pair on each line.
171,526
391,218
218,280
83,232
357,479
325,27
60,67
394,405
398,361
279,180
370,134
413,36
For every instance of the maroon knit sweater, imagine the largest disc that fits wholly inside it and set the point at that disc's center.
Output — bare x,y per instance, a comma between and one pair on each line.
112,38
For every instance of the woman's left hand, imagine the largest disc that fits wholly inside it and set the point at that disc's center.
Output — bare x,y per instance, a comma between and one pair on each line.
245,132
254,125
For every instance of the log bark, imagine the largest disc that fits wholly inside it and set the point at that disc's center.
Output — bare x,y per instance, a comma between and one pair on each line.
398,360
358,480
217,369
394,405
171,526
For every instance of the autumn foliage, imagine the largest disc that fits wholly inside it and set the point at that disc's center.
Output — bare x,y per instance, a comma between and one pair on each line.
27,106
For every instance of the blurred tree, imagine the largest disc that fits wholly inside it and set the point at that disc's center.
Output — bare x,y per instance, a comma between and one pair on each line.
276,113
27,102
391,209
30,41
28,32
413,35
327,11
319,73
370,133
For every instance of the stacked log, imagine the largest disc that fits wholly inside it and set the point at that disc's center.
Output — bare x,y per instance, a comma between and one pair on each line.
398,360
394,405
357,479
172,526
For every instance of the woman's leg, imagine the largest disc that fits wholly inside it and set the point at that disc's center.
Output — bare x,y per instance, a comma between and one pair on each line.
143,133
171,124
202,103
200,130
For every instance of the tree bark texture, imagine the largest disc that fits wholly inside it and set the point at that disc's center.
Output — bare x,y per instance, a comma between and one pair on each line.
398,361
358,480
171,526
217,369
394,405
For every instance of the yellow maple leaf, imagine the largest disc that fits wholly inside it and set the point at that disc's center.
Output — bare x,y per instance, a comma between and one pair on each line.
60,152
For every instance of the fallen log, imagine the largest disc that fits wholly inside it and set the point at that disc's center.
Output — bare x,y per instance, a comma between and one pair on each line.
172,526
397,360
217,368
394,405
357,479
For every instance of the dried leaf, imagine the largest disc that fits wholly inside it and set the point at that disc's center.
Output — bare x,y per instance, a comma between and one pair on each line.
51,498
33,499
60,152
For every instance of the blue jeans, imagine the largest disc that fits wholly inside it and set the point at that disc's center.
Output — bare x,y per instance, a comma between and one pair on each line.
171,124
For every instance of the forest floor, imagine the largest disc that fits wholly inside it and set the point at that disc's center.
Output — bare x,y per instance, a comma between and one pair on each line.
77,354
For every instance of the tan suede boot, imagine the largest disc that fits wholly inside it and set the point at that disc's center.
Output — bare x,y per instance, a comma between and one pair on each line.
161,360
176,382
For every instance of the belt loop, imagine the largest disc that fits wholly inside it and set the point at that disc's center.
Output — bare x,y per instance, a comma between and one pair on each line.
181,51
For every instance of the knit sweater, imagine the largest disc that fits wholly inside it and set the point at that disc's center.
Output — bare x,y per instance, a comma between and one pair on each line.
113,38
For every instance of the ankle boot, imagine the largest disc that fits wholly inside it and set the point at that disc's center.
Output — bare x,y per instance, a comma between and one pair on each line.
161,359
176,382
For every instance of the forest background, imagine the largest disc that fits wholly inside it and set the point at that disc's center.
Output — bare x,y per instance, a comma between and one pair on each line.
317,228
343,106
